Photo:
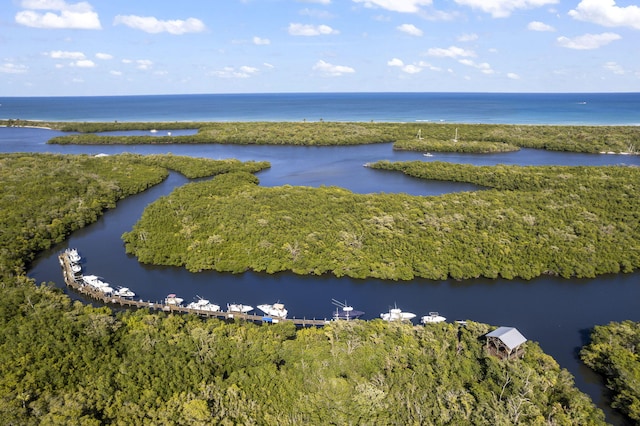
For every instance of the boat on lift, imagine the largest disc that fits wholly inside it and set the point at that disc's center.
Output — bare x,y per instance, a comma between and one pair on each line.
276,310
203,305
124,292
238,308
172,299
73,255
432,318
344,311
396,314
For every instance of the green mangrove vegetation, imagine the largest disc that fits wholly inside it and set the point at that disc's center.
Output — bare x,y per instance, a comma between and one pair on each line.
614,352
68,363
565,221
436,137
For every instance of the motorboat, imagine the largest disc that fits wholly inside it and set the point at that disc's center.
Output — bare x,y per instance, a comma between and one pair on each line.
172,299
124,292
94,281
76,268
344,311
238,308
106,289
73,255
428,154
396,314
276,310
203,305
432,318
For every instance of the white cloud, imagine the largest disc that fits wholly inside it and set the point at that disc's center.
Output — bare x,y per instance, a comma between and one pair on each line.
231,72
84,63
410,29
539,26
503,8
116,73
316,1
331,70
450,52
606,13
104,56
310,30
151,24
483,67
61,54
10,68
403,6
614,68
513,76
468,37
395,62
411,68
60,15
143,64
261,41
588,41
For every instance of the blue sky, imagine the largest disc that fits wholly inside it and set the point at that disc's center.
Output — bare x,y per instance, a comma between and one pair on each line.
124,47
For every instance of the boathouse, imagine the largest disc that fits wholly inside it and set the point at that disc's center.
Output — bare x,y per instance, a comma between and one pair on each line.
505,342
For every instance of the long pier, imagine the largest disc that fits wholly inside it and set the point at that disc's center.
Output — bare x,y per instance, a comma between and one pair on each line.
75,282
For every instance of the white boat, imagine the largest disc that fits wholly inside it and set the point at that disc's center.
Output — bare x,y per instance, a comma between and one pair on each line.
428,154
235,307
203,305
94,281
73,255
432,318
172,299
106,289
76,268
396,314
344,311
124,292
276,310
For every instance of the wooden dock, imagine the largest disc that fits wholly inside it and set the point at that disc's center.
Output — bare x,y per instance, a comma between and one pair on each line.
75,282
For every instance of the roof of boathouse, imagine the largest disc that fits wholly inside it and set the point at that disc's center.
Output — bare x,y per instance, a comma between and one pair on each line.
510,336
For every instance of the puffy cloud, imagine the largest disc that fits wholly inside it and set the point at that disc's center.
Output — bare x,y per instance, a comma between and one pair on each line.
60,15
503,8
513,76
104,56
606,13
261,41
310,30
410,29
395,62
143,64
10,68
403,6
151,24
588,41
61,54
450,52
483,67
539,26
411,68
316,1
244,71
84,63
331,70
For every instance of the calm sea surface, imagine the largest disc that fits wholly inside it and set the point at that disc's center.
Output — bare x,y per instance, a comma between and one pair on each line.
519,108
555,312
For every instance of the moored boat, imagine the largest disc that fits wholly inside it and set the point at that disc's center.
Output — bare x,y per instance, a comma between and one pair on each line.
432,318
276,310
396,314
203,305
344,311
238,308
73,255
94,281
172,299
124,292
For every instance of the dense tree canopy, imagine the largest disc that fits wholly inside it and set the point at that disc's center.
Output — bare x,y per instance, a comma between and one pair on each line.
614,352
407,136
567,221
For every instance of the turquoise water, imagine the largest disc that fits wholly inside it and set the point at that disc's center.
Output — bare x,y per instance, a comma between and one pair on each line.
504,108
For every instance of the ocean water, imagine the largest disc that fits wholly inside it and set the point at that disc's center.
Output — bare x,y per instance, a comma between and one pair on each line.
498,108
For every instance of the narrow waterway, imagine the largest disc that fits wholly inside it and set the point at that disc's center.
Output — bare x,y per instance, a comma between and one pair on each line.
555,312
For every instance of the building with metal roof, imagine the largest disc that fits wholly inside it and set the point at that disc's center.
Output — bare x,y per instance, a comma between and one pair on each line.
505,342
